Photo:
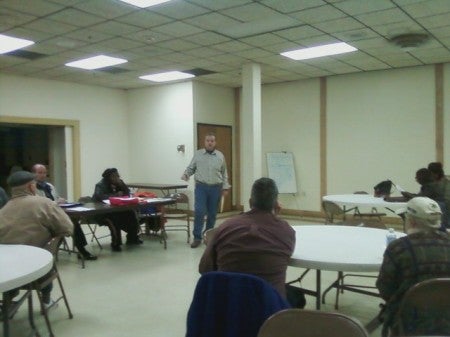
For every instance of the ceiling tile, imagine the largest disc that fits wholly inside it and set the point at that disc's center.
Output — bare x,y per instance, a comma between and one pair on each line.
318,14
115,28
217,5
50,26
281,47
75,17
177,45
263,40
231,46
204,52
179,9
10,19
88,35
296,33
339,25
435,55
144,19
428,8
289,6
384,17
212,21
148,36
30,34
253,53
207,38
435,21
177,29
120,43
392,29
441,32
355,7
356,35
252,12
35,7
105,9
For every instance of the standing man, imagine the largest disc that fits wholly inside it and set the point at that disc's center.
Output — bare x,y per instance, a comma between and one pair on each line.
256,242
211,182
30,219
45,189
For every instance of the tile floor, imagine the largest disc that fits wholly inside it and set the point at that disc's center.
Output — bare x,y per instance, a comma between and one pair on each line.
145,291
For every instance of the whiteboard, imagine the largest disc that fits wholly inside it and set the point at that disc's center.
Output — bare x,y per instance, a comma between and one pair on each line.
280,166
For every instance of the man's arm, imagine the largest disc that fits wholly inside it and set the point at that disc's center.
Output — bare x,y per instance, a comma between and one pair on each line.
388,280
59,222
190,170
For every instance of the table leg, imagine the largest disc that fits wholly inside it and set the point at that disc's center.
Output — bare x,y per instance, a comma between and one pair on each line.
318,288
5,311
30,313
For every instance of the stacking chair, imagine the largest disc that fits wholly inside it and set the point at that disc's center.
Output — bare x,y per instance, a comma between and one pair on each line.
153,221
310,323
231,305
179,211
334,212
430,298
208,235
92,227
38,285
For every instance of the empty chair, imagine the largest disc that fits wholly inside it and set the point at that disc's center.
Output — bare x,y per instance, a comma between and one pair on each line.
153,220
309,323
92,227
334,212
179,211
231,305
425,309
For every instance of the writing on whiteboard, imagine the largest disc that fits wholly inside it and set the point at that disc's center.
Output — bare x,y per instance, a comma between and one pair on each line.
280,167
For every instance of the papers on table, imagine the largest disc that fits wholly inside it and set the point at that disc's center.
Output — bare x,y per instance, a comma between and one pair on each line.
399,188
80,209
142,200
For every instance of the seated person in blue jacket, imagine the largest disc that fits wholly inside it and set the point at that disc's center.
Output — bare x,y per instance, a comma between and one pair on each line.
45,189
112,186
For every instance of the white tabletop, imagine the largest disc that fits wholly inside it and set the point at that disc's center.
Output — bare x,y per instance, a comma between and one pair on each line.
339,248
21,264
361,200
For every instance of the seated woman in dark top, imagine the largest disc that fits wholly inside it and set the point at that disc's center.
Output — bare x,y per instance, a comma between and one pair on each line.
111,185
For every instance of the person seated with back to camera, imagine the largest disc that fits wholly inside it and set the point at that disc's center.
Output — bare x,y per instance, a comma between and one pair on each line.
30,219
422,254
437,172
45,189
256,242
112,186
3,197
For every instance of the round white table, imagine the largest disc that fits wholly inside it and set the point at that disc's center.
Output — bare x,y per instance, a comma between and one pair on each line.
338,248
363,200
20,265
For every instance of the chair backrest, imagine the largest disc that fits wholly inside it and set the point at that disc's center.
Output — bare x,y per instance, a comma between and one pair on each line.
331,210
208,235
427,300
53,245
311,323
231,305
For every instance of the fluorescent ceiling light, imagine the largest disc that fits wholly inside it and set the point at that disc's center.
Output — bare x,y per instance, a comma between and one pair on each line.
9,43
96,62
144,3
319,51
166,77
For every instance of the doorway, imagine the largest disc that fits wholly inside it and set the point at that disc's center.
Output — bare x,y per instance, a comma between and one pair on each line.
225,145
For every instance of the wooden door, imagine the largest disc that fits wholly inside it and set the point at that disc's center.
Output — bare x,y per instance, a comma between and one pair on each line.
223,144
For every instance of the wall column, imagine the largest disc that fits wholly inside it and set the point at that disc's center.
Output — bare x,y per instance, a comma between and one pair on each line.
251,156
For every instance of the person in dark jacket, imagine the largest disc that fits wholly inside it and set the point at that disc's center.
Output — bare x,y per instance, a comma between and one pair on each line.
110,186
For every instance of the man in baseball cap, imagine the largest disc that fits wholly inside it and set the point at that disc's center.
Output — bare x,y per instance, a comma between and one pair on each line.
421,255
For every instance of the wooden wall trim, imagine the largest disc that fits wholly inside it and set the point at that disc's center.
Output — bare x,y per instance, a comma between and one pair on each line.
323,136
237,149
439,111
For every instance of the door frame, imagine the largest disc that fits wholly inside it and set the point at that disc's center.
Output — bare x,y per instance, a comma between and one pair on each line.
74,124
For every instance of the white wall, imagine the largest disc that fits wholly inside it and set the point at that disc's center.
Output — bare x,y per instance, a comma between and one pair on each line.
101,112
160,118
291,122
380,125
447,118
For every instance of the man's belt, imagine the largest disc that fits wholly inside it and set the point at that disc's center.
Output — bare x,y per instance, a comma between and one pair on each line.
205,184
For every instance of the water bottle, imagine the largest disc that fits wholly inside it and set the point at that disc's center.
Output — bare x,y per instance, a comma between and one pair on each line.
390,236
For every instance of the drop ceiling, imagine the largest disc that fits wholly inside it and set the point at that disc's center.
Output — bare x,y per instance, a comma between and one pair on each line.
215,38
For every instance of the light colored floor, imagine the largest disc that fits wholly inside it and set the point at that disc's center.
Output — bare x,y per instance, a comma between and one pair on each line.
146,291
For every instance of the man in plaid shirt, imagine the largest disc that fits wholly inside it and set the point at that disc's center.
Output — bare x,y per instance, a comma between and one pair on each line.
422,254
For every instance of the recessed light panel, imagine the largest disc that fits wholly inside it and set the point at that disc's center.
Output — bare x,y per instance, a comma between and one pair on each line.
319,51
9,43
166,77
145,3
96,62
